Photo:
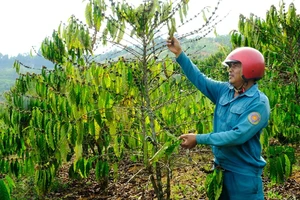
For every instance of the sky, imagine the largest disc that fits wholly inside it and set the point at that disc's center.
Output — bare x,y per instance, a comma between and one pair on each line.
25,23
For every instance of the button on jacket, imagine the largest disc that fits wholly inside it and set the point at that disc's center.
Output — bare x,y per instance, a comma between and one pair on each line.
238,121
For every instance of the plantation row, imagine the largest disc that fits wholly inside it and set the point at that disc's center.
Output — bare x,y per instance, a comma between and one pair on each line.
96,114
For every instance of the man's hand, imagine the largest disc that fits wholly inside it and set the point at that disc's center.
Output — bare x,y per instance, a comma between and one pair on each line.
174,46
189,140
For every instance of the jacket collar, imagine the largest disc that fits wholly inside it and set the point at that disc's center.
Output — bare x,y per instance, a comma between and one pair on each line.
250,92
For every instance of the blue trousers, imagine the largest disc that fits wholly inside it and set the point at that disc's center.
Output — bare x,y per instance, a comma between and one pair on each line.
241,187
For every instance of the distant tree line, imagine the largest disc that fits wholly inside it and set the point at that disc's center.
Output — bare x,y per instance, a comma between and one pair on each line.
203,47
35,62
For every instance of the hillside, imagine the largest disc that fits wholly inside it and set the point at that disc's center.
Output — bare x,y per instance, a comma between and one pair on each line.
199,49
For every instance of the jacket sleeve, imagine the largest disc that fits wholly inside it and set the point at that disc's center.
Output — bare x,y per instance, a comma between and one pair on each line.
249,124
207,86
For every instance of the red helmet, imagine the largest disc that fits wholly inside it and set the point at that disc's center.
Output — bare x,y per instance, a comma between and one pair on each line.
253,62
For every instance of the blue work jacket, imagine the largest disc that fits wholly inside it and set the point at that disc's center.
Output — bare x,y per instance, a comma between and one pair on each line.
238,121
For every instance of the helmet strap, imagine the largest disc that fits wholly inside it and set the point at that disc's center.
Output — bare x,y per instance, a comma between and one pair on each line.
241,89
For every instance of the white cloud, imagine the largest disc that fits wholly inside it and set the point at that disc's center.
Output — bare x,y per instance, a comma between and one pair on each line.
26,23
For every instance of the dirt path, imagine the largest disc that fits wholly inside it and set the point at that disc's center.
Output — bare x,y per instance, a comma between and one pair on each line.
133,182
187,183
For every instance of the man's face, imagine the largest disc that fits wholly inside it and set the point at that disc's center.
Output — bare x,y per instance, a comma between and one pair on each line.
235,74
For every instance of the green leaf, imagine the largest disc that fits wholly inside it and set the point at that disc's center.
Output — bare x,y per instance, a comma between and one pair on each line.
10,183
63,145
204,16
80,165
78,152
287,166
49,135
88,14
175,144
105,171
17,66
214,184
98,170
166,149
80,132
4,192
280,170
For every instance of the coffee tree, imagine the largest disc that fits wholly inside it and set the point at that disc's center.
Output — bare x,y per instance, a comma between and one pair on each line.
277,36
93,113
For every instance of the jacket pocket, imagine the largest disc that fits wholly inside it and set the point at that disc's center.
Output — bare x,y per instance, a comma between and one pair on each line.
235,112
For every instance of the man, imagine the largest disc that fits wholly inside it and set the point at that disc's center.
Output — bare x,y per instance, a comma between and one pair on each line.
241,112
